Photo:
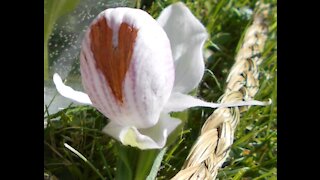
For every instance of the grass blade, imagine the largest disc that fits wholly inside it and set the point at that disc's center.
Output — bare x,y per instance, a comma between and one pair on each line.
156,165
84,159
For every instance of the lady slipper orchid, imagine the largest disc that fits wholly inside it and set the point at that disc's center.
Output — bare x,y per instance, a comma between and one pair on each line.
137,70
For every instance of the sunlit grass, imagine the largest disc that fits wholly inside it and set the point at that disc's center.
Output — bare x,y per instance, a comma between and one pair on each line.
254,152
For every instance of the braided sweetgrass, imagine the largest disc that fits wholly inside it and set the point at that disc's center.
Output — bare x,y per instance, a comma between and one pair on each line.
216,137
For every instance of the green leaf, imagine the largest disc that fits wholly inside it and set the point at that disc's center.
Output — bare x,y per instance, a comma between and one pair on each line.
124,167
221,38
54,9
240,173
156,165
144,163
247,137
183,116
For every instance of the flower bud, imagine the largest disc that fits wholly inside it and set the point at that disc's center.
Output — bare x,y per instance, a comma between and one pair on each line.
127,67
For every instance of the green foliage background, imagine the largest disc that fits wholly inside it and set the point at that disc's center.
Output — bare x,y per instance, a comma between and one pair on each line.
254,152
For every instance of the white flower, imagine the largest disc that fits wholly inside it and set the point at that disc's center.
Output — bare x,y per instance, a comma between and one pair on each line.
137,70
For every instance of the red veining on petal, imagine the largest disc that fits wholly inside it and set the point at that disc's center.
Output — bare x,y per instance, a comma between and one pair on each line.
112,61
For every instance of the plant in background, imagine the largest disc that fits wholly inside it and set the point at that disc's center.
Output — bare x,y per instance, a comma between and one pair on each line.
53,9
137,70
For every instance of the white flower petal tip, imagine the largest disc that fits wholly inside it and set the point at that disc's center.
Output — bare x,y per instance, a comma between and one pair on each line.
127,67
246,103
187,36
179,102
151,138
70,93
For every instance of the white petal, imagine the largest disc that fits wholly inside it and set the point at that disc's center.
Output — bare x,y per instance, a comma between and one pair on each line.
151,138
187,36
70,93
146,79
179,102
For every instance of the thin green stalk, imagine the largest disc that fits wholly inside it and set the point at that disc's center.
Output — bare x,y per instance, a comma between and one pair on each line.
240,173
105,164
270,173
213,14
84,159
170,153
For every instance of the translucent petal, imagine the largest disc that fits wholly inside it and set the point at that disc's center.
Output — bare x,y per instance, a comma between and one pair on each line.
187,36
150,138
147,76
70,93
179,102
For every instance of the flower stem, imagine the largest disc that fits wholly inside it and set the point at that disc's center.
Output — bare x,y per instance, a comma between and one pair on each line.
145,162
126,163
